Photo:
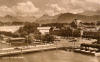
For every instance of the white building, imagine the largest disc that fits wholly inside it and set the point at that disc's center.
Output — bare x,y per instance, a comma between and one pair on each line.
43,30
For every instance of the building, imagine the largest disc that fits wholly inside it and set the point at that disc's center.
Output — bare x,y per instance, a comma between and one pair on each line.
43,30
16,40
90,32
55,31
73,32
76,24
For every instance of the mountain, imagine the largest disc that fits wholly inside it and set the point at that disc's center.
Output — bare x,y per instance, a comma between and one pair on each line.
69,17
47,19
27,18
9,18
60,18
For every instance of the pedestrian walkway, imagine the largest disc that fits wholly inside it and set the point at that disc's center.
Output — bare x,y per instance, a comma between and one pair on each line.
26,49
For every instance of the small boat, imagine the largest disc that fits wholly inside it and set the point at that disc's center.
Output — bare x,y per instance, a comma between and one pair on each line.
87,52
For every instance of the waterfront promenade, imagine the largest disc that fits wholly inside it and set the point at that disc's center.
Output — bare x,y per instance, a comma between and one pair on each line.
56,45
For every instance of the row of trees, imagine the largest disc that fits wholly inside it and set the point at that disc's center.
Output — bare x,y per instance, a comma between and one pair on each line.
58,25
45,38
29,31
12,23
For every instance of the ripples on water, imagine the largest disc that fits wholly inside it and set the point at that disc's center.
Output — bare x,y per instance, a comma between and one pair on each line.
52,56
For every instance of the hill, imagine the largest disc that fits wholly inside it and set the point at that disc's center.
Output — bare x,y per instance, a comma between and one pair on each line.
27,18
9,18
47,19
69,17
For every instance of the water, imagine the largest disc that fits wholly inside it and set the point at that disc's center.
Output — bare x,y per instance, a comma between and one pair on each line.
51,56
48,56
10,28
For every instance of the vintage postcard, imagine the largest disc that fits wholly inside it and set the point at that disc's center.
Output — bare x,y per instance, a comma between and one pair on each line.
49,30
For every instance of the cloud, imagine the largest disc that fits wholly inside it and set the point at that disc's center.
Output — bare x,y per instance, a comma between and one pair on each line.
50,12
55,9
27,8
83,5
50,7
21,9
94,1
71,7
75,11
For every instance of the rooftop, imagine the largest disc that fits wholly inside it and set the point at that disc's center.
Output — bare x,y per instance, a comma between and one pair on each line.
43,28
17,38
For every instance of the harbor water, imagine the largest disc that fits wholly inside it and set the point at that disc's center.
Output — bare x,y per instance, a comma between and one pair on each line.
49,56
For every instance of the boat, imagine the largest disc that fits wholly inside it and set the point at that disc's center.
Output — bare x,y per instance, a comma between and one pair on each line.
87,52
89,49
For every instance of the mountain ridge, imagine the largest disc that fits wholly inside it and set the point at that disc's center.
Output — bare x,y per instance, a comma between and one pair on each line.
60,18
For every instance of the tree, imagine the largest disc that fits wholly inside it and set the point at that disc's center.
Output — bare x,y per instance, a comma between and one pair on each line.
49,38
17,23
37,36
28,28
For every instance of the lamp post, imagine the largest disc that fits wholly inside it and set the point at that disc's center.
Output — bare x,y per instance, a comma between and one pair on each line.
81,33
56,45
27,37
72,39
21,47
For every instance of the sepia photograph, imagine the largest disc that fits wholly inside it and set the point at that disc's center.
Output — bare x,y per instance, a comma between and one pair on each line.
49,30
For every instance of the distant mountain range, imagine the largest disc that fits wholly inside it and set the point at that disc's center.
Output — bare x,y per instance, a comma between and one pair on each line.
27,18
60,18
9,18
69,17
47,19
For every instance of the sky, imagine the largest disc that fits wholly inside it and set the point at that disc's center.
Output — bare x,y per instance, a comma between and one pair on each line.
51,7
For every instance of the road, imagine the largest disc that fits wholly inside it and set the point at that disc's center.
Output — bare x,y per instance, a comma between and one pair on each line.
65,42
